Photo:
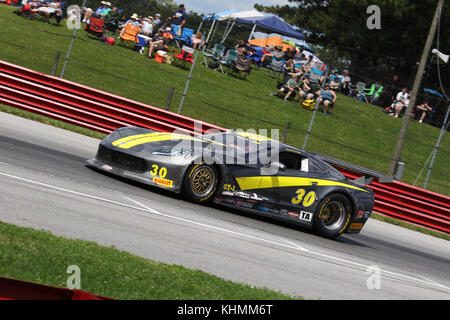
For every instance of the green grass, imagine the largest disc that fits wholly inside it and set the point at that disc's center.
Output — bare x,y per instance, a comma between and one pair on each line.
41,257
356,132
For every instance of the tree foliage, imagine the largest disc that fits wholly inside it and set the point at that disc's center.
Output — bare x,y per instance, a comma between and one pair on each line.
342,25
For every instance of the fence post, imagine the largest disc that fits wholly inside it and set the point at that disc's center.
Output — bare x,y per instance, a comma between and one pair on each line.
169,98
188,81
56,62
285,133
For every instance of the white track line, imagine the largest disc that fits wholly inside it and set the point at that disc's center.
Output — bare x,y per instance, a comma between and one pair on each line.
145,208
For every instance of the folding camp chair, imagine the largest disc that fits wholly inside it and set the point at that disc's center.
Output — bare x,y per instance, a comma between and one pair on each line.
275,69
242,64
95,26
185,55
186,36
216,54
229,59
141,43
130,34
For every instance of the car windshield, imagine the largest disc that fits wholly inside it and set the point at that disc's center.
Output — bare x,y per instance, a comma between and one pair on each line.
319,166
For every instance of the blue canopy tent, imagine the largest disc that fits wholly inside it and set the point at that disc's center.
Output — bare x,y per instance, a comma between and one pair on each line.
272,24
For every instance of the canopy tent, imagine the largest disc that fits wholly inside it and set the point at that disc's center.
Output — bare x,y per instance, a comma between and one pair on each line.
220,16
272,24
230,16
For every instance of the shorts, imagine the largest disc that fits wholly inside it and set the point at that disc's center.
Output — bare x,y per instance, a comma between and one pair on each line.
47,10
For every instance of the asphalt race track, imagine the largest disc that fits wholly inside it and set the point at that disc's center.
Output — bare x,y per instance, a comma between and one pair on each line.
44,184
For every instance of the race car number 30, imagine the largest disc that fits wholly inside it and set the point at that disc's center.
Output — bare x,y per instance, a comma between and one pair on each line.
300,197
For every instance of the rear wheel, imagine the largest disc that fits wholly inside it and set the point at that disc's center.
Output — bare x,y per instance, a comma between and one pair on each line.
333,216
200,183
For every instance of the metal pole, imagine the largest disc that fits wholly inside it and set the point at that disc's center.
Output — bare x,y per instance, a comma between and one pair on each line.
187,82
443,129
401,138
251,33
314,113
209,34
228,32
56,62
285,133
71,44
169,98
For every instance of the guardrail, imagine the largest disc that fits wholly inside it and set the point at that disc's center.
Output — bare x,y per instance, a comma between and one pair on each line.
104,112
12,289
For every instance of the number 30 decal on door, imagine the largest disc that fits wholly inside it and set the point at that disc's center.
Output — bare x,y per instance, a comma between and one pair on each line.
300,197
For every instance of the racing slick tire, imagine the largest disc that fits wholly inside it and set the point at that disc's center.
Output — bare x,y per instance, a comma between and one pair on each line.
333,216
200,183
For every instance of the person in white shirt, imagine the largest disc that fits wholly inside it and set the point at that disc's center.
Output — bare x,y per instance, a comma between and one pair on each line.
401,102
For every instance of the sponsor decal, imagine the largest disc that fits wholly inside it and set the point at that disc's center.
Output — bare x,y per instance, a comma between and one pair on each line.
367,214
283,212
360,214
293,214
243,204
229,200
262,208
228,193
306,216
163,182
218,198
241,194
276,211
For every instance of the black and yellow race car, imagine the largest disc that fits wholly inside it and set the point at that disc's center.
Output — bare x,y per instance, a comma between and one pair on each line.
241,170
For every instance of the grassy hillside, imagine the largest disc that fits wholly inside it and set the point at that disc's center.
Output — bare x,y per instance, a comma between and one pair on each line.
356,132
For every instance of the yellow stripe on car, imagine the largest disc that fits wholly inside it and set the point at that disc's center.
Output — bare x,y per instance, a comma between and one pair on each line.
263,182
132,141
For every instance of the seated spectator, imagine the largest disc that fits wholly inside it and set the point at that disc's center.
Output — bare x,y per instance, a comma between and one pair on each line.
157,21
242,47
305,91
159,42
289,54
106,11
345,82
327,98
401,102
198,40
49,8
133,20
290,87
100,9
147,26
277,54
425,109
88,12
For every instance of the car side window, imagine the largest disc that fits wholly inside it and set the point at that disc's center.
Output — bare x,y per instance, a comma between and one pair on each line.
294,161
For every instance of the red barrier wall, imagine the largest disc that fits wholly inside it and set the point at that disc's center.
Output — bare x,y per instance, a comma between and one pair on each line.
104,112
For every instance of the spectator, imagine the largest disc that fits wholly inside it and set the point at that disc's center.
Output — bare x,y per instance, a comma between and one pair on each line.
179,18
147,26
242,47
159,42
327,98
305,91
425,108
345,82
290,87
290,53
48,8
107,11
167,24
278,54
157,21
100,9
133,20
401,102
198,40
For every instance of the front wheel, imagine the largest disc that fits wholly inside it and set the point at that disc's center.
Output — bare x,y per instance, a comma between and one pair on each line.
333,216
200,183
